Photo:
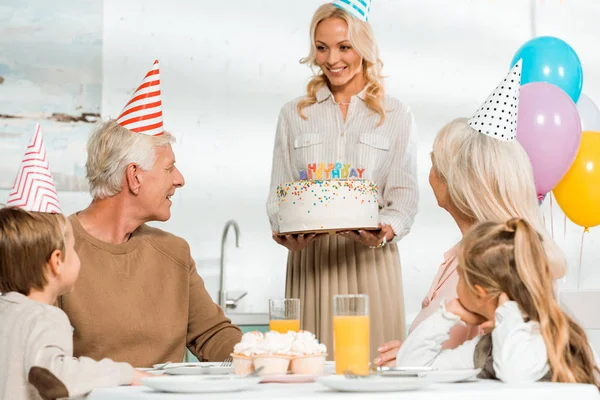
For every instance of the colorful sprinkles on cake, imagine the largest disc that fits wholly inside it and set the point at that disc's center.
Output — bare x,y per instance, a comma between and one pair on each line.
328,190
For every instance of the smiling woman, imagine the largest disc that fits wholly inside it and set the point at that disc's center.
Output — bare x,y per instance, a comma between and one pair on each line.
346,118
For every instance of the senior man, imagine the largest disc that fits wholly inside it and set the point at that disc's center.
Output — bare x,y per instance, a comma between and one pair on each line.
139,297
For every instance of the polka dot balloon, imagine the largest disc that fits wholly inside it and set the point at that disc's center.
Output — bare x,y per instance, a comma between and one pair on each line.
497,116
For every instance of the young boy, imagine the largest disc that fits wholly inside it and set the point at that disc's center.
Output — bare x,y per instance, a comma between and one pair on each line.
38,263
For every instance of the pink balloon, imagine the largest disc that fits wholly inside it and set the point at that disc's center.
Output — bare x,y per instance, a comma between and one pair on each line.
549,129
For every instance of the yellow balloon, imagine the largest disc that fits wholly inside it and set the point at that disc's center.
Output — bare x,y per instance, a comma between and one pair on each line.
578,193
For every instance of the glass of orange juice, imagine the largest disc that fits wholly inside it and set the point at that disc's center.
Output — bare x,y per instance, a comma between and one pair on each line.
284,315
351,333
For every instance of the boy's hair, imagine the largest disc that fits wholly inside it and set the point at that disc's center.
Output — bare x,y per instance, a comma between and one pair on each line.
510,258
27,239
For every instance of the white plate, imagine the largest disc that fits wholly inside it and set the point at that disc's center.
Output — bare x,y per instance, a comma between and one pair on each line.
199,369
372,384
290,378
174,365
403,371
151,371
450,375
199,384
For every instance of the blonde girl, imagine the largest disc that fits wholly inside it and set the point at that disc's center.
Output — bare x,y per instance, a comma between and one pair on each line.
505,277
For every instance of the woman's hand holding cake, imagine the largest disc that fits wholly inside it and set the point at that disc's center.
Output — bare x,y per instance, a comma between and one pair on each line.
294,242
371,238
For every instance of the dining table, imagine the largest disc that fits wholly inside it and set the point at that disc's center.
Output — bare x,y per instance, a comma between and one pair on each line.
480,389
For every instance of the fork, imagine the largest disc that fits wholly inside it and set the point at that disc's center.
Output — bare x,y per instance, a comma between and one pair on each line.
227,362
164,366
351,375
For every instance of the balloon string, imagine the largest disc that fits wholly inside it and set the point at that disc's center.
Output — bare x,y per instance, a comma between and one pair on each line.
585,230
551,218
540,202
565,227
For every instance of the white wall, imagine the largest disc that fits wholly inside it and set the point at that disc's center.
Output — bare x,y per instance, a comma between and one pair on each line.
227,68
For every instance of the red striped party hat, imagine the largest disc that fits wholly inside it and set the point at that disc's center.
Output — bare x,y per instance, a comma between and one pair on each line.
34,188
143,113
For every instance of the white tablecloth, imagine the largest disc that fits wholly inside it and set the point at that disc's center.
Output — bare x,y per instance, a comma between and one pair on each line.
479,390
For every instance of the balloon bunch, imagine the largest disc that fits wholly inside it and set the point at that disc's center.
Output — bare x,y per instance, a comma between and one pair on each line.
559,127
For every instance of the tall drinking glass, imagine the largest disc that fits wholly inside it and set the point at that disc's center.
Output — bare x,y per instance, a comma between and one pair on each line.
284,315
351,333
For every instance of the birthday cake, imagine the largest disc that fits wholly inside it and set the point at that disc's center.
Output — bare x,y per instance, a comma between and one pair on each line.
327,205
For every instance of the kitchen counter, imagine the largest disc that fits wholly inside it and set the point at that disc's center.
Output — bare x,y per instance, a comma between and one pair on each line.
254,319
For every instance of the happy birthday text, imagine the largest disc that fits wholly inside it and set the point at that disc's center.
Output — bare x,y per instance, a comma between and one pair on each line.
330,171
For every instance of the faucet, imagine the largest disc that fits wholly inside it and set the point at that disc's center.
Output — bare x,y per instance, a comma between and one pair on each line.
224,301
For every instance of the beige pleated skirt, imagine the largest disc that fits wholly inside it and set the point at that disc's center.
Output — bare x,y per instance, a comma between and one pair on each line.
334,265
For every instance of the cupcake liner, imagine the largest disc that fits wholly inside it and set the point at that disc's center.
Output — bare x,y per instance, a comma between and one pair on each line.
310,364
273,364
242,365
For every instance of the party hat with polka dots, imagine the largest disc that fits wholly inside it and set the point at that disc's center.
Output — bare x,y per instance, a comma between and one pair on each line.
497,116
357,8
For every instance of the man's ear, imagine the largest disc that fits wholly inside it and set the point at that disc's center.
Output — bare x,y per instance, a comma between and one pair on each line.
134,178
55,263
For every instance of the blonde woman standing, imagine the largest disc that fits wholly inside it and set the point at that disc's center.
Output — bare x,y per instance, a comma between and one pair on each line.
479,173
346,117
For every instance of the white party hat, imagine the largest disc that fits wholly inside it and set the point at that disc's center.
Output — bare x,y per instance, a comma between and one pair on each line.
358,8
497,116
34,188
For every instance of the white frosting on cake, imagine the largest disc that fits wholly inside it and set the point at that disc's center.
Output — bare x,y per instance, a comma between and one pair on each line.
249,341
331,204
276,343
307,344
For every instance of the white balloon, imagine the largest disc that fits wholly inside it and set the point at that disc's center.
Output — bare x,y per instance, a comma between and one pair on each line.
588,113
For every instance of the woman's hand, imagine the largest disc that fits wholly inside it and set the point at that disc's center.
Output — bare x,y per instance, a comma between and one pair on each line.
370,238
468,317
294,242
387,353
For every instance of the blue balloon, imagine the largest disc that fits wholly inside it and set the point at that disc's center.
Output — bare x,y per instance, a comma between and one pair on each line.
552,60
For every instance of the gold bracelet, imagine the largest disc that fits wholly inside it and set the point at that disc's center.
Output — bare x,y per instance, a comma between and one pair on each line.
383,242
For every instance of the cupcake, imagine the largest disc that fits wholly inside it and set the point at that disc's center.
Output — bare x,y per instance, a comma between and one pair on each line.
309,355
274,353
244,351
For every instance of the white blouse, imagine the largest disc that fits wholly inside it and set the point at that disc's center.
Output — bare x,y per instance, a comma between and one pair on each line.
356,148
519,352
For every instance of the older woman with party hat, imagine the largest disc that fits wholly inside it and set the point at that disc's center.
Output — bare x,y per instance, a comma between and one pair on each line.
480,173
346,117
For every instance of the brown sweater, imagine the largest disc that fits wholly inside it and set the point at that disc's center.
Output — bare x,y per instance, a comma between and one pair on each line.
143,302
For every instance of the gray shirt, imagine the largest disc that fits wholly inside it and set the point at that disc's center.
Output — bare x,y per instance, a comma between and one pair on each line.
36,354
